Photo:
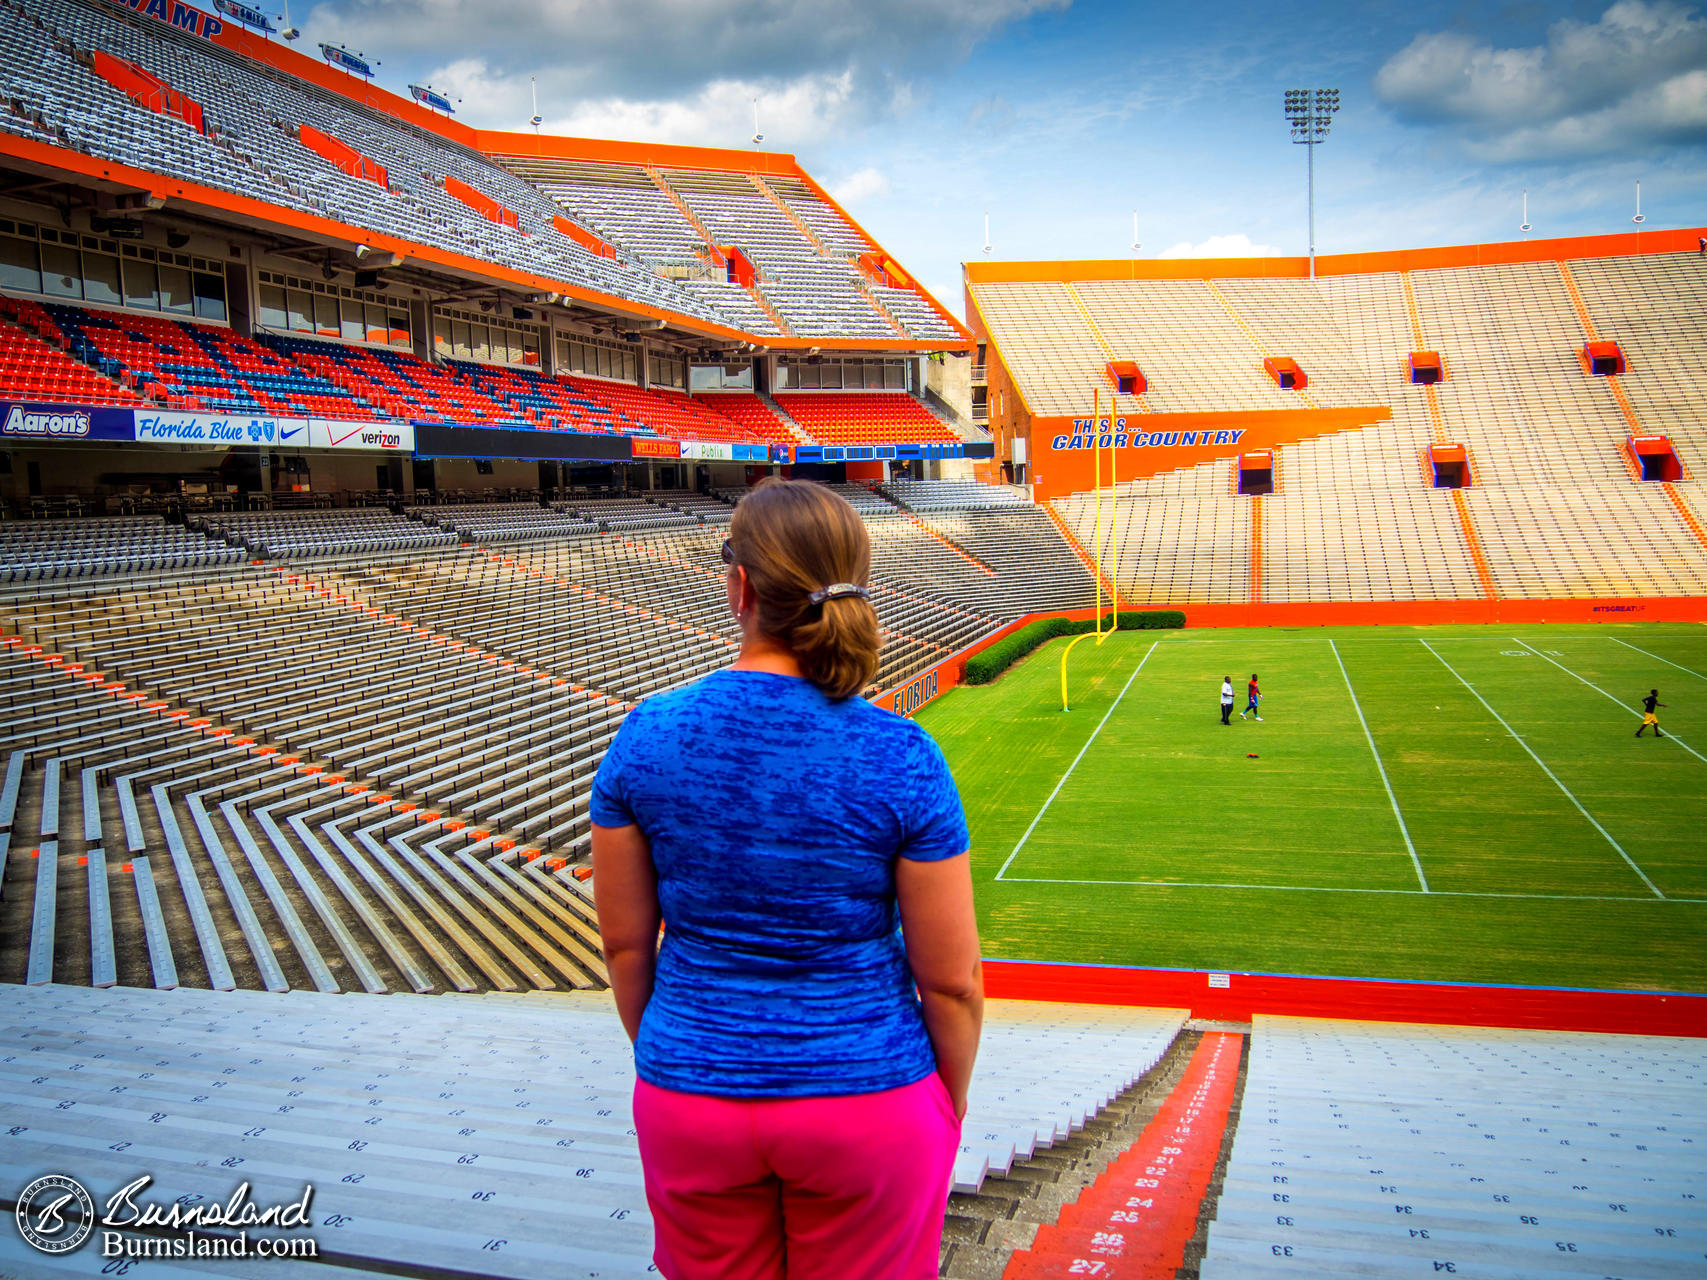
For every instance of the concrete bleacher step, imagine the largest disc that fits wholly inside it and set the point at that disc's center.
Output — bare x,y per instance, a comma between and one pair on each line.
220,866
1395,1149
430,1126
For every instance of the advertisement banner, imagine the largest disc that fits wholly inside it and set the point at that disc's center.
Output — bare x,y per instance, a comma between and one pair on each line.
648,448
1063,450
229,430
61,423
708,450
381,437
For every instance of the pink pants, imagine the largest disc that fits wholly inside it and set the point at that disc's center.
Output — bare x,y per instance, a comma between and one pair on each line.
848,1188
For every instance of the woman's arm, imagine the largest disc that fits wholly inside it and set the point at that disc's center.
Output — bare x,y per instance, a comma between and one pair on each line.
625,887
941,934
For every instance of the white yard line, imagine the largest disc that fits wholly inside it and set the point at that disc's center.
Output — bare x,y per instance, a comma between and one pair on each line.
1656,657
1603,693
1311,888
1517,738
1076,759
1391,798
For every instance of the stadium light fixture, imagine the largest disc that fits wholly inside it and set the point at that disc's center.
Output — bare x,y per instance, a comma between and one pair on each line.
986,233
757,136
285,29
1310,113
1524,225
535,119
1639,219
1137,244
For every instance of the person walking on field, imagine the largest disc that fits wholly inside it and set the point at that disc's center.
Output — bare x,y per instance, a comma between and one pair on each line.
1253,697
1648,716
804,1036
1226,699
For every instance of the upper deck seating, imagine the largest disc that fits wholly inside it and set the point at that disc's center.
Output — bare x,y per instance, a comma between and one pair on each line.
251,149
805,253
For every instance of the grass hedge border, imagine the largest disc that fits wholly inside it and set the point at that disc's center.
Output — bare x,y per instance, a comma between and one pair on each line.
986,665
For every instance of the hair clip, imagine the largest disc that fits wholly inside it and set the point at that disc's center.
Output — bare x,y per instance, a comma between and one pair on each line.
836,590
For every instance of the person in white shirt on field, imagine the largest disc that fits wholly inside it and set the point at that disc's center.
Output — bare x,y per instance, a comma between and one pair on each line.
1226,699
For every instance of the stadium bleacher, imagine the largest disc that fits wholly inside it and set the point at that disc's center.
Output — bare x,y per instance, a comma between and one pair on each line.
1386,1152
876,417
1552,510
251,147
32,369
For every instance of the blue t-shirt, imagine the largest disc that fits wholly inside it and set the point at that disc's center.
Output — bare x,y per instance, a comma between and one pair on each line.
775,817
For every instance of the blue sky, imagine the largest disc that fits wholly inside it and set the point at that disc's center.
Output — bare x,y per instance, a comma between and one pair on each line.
1061,118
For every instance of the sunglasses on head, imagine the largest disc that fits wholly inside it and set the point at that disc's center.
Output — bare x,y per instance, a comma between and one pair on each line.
728,553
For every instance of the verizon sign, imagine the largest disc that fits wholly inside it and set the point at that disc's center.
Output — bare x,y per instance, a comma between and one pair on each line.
375,437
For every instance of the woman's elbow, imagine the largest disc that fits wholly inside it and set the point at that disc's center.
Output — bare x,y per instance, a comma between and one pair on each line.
961,985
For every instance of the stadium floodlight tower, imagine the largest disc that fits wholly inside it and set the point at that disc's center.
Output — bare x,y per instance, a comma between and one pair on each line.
1310,112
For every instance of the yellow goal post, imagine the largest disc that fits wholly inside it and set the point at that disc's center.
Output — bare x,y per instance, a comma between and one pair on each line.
1102,541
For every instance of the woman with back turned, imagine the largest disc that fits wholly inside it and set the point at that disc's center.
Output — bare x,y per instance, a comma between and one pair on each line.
798,1102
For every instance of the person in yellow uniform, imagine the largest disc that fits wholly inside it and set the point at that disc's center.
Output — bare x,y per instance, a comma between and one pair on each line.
1648,716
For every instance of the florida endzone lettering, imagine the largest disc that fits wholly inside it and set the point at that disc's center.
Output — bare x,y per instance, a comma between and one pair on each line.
1112,433
915,695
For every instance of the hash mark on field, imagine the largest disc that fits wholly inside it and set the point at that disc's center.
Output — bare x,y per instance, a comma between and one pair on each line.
1603,693
1656,657
1316,888
1077,758
1391,798
1518,738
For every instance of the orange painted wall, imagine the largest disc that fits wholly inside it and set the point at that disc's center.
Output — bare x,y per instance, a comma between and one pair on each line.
858,471
1370,613
1624,244
1649,1013
1057,470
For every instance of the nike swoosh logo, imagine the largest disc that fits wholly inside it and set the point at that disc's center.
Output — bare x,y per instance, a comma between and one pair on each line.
286,435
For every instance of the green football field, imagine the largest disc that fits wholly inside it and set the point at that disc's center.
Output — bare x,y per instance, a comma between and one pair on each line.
1458,804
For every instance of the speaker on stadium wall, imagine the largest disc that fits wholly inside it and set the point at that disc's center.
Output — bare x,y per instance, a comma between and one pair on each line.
366,279
520,313
177,239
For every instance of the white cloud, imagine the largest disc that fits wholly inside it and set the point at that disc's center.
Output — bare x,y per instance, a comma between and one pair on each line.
856,188
1233,246
1635,76
652,68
